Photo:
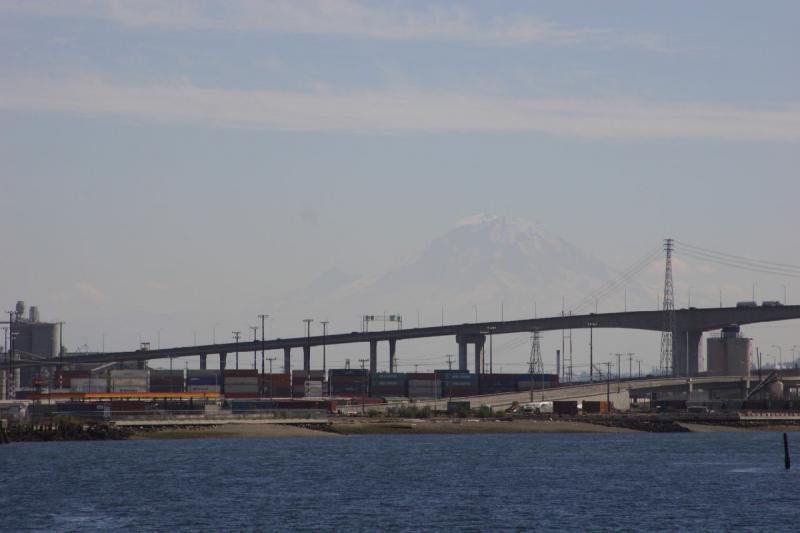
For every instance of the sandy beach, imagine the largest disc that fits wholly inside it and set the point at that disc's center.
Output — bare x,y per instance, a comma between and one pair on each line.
373,427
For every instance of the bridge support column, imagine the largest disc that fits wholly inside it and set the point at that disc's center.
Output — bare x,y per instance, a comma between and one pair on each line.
306,358
462,355
287,360
479,356
686,352
479,340
223,360
392,351
373,357
203,361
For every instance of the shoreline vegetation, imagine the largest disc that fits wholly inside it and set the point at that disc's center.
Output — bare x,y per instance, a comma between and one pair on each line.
342,427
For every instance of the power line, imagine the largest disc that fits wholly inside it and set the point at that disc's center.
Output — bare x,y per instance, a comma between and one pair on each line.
739,265
621,280
738,258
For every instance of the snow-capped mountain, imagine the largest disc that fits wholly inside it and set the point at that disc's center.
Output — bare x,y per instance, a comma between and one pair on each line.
485,262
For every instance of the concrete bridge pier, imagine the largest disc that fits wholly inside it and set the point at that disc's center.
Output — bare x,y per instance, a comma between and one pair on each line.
392,351
479,354
287,360
306,358
477,339
203,361
373,357
686,342
223,360
462,354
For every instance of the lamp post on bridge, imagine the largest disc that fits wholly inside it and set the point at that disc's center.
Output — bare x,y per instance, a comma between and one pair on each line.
780,355
591,350
263,317
236,335
255,361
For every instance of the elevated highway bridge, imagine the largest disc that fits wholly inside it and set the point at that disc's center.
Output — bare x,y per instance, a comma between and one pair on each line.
689,327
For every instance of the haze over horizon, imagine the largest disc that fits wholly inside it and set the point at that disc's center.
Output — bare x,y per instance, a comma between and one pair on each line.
184,166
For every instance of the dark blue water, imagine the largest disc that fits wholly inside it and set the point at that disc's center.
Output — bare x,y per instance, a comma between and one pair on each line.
572,482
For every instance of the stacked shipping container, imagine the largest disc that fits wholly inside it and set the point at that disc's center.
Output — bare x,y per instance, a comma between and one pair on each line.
166,380
128,380
424,386
276,385
241,383
202,381
458,383
63,378
498,383
388,384
346,382
299,379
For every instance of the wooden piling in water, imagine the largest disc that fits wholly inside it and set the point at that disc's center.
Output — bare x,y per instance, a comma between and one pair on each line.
787,463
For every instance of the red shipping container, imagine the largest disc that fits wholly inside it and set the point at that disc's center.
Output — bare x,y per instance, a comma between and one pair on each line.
596,407
565,407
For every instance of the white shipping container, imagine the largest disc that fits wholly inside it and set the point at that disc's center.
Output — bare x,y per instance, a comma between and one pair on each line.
88,385
313,389
128,381
136,374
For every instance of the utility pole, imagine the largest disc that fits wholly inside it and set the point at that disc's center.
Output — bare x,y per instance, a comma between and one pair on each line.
449,362
363,387
639,362
262,317
591,351
236,335
630,364
308,322
271,388
255,355
608,364
491,354
324,334
619,368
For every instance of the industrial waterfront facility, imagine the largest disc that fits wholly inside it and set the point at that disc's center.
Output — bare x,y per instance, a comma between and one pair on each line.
38,371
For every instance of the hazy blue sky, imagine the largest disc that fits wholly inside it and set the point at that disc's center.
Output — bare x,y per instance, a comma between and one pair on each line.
164,162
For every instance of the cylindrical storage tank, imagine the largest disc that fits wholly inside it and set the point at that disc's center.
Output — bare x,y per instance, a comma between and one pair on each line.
33,314
20,309
775,390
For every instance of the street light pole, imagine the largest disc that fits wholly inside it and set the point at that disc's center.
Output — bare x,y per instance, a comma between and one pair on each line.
262,317
780,354
591,351
255,360
308,322
271,388
324,333
236,335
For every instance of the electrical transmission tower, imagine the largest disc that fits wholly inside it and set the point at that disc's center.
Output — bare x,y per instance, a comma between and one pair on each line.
535,365
666,363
